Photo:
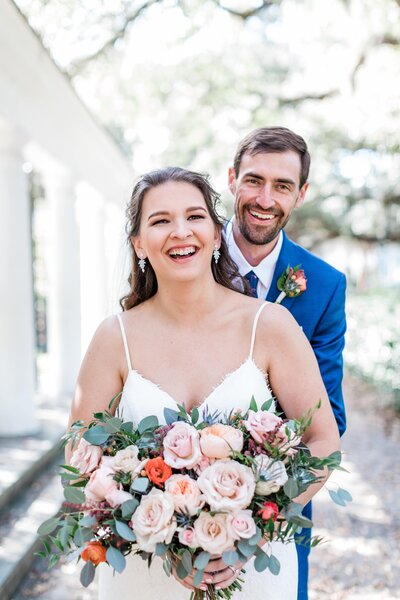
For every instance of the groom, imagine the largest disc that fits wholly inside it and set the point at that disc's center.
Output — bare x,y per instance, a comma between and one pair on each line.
269,180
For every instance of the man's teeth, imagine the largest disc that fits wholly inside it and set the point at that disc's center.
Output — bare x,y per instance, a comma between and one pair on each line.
182,251
262,216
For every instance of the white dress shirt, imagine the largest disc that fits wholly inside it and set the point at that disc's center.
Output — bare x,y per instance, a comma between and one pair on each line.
265,268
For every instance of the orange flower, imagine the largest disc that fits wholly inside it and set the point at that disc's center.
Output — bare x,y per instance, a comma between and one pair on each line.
157,470
268,511
95,552
299,278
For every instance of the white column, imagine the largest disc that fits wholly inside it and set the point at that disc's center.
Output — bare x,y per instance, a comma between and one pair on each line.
64,282
17,375
94,273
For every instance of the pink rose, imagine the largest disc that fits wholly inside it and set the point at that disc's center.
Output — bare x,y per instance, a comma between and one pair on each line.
182,446
117,497
203,464
185,493
153,521
86,457
212,533
227,485
241,525
260,423
187,537
219,441
101,481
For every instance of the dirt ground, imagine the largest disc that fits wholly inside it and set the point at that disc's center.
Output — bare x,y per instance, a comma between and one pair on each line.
361,556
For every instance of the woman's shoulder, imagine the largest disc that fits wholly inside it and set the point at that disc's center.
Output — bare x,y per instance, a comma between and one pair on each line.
276,321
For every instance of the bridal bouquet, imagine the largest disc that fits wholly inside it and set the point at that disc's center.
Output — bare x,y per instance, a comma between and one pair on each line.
203,485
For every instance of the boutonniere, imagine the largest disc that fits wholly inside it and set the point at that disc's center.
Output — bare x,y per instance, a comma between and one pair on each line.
292,283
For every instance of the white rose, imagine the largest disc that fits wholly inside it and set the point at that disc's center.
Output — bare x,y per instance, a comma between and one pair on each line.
212,533
127,460
272,475
227,485
182,446
153,521
241,525
185,493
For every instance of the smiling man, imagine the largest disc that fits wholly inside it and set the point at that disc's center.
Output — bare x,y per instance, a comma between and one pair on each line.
269,180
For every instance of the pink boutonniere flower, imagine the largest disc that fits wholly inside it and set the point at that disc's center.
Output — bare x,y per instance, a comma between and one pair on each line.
292,283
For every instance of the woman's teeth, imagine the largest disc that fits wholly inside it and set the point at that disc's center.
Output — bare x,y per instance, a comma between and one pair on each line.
182,251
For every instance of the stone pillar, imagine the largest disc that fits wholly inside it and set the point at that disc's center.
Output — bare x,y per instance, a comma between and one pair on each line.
17,372
94,272
64,282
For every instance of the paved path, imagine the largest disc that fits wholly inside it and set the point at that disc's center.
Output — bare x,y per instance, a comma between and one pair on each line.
361,558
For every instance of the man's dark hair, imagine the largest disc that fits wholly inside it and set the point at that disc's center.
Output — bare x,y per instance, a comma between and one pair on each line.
275,140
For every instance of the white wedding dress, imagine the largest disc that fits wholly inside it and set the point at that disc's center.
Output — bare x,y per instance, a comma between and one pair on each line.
140,398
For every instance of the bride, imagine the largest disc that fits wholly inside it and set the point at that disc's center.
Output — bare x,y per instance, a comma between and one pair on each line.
187,336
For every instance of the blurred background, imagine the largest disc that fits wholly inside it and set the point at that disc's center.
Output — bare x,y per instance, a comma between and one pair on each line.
94,93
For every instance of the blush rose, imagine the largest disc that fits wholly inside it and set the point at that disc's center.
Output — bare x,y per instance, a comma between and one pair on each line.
241,525
153,521
185,494
86,457
259,424
227,485
212,533
182,446
219,441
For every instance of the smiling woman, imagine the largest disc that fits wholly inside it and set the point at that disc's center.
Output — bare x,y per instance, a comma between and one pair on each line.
170,207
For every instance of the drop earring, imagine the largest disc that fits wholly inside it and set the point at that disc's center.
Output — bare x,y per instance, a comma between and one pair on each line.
142,263
216,254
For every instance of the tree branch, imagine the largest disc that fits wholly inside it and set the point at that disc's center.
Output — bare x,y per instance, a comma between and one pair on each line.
246,14
77,66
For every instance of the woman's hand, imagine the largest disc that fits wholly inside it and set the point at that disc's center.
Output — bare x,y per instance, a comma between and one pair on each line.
215,573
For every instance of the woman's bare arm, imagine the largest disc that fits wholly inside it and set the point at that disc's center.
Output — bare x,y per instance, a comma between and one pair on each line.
100,377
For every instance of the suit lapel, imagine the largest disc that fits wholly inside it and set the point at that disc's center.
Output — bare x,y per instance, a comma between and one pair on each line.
285,258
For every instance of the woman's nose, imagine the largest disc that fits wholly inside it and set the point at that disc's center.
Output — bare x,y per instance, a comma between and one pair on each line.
181,230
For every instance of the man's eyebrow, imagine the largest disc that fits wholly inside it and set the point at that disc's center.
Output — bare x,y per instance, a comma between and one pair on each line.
254,175
283,180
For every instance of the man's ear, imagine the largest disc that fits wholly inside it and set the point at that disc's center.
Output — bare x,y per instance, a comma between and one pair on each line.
302,195
232,180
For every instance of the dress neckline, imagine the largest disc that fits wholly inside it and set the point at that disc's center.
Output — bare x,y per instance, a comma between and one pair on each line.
248,360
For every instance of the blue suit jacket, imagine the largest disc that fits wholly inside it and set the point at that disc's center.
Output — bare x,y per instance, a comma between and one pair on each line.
320,312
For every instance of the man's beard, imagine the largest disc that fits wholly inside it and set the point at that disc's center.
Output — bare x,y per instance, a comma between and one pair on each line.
257,235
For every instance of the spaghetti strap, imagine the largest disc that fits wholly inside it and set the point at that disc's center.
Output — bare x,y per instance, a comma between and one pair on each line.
253,333
128,358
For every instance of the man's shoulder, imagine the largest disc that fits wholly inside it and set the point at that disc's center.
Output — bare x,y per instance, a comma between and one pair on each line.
309,260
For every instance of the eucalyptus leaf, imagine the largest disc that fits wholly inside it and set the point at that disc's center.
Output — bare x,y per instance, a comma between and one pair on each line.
261,561
88,521
186,560
129,507
291,488
202,560
167,566
344,495
127,426
170,416
150,422
274,565
230,557
116,559
140,485
87,574
198,578
195,415
113,425
256,537
246,548
181,571
48,526
336,498
96,435
74,495
125,531
161,549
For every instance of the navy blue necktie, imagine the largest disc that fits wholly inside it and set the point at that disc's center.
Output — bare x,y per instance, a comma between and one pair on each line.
253,281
